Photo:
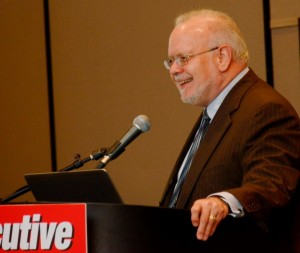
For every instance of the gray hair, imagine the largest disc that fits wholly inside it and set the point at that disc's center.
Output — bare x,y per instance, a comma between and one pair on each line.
224,30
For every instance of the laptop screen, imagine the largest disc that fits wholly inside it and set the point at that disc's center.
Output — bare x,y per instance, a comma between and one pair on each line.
73,186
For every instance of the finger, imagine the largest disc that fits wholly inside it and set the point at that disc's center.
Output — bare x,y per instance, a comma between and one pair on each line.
195,213
211,226
204,221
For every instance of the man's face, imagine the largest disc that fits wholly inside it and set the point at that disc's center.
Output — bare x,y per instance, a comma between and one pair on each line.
197,80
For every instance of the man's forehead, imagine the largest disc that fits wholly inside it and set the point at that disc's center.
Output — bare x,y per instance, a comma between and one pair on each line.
193,26
188,31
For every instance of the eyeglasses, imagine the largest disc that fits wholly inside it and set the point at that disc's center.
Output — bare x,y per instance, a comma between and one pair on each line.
183,60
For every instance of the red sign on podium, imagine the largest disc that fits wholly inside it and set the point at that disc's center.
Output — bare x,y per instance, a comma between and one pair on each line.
43,228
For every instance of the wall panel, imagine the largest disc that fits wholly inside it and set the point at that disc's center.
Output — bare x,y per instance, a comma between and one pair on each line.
24,127
286,54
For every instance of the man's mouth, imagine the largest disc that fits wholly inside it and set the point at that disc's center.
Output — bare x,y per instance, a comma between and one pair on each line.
183,82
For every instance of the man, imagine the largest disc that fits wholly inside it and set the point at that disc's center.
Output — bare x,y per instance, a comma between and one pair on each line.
247,164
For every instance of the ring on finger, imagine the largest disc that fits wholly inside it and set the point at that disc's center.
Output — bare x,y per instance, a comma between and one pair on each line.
212,217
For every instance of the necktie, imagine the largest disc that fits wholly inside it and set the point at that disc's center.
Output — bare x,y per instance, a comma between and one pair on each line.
190,155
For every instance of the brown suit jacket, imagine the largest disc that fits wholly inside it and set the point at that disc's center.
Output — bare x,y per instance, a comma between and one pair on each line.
251,149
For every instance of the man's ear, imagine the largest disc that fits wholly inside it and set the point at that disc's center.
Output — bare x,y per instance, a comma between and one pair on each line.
224,57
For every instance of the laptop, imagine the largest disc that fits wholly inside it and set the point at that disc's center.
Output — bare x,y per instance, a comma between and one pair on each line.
90,186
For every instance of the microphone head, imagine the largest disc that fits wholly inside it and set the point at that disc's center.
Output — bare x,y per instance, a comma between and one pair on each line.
142,122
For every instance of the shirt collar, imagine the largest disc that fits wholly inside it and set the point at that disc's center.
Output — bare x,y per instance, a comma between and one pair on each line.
213,107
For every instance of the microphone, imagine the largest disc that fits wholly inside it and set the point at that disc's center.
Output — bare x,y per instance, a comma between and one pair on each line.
140,125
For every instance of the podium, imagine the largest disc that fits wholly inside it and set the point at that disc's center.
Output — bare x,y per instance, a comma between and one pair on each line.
118,228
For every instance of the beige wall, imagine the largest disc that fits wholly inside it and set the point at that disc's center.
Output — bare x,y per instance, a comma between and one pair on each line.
286,54
107,69
24,124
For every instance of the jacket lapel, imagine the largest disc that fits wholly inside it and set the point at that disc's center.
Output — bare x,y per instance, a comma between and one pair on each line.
209,143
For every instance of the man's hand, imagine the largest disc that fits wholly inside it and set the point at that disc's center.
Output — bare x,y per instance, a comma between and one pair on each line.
206,214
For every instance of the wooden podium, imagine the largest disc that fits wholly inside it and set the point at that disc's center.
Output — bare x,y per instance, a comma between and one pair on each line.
118,228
